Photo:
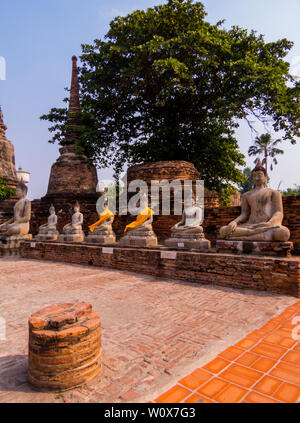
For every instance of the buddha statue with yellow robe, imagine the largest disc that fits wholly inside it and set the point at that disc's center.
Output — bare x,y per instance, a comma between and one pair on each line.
101,232
140,232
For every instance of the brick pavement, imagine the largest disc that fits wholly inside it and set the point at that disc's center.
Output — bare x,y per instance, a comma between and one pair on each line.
154,331
264,367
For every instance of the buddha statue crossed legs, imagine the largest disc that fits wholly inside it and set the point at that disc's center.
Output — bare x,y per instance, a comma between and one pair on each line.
261,216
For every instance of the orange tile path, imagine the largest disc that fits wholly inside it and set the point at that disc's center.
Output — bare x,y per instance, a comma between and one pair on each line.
262,368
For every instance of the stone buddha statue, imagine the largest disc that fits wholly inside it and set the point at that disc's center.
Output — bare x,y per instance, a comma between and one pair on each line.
144,220
140,232
191,221
102,231
262,213
19,224
48,231
73,231
188,233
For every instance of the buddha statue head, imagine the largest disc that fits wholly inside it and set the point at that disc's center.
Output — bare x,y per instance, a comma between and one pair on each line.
52,209
76,207
259,175
21,190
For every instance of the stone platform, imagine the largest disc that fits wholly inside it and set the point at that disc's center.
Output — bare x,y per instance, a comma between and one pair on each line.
273,274
280,249
10,246
177,242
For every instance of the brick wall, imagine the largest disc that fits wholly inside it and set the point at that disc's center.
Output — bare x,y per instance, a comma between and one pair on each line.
278,275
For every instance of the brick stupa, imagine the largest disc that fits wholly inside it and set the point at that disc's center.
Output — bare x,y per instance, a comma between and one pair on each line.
72,173
72,178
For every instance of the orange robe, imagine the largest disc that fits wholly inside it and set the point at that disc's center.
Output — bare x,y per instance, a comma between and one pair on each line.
141,218
107,214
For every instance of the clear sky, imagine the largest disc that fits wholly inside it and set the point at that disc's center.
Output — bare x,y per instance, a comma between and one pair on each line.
38,39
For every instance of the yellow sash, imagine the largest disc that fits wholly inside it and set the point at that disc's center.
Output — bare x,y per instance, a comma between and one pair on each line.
107,214
141,218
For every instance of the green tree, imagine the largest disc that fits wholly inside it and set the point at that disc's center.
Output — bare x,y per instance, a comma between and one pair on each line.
165,84
266,147
5,191
291,192
247,185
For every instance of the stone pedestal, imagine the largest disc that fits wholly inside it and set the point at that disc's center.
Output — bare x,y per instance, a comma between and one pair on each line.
64,347
10,246
190,242
100,239
139,239
47,237
276,248
71,237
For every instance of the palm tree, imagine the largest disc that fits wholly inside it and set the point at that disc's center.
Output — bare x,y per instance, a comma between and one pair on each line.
264,145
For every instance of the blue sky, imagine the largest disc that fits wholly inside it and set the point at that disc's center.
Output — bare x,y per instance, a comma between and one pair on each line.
38,39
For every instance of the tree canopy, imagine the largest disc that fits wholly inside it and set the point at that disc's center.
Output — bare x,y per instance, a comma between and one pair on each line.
165,84
247,185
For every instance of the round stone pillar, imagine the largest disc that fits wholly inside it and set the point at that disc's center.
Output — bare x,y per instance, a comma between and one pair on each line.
64,346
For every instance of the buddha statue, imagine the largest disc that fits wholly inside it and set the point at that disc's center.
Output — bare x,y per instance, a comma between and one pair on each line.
72,232
48,231
18,226
188,233
102,231
140,232
190,223
261,215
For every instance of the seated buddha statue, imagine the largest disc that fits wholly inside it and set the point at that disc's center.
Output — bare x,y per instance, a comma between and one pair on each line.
140,232
192,218
188,233
144,220
261,215
104,225
50,226
19,224
75,227
102,231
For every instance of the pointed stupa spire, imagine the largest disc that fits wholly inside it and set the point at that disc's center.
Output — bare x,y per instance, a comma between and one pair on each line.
74,106
2,125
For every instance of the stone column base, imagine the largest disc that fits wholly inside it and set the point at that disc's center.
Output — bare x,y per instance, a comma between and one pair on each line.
196,244
71,237
138,241
100,239
262,248
10,245
47,237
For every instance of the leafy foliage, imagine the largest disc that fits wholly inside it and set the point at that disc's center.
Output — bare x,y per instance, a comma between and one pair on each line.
167,85
247,185
291,192
5,191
